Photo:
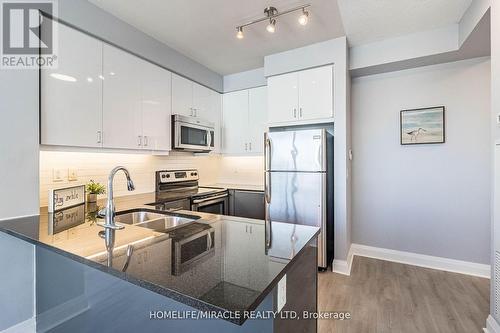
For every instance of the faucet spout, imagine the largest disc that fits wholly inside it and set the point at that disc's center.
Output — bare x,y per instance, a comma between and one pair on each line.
109,211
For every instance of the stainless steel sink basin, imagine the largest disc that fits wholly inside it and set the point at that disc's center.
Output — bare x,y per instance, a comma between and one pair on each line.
154,221
137,217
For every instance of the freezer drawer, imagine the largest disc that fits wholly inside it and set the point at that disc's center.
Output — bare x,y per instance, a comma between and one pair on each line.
303,150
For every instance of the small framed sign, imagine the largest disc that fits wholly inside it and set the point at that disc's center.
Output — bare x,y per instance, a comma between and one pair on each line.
422,126
63,198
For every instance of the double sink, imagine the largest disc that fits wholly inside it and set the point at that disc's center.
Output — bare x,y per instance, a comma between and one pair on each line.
161,222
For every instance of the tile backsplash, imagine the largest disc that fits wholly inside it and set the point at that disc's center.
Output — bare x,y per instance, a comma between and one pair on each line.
86,166
96,166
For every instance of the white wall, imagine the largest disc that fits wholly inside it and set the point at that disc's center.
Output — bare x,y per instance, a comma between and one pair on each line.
427,199
247,170
142,167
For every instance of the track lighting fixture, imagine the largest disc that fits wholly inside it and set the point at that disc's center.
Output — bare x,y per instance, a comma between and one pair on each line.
271,15
304,17
271,27
239,34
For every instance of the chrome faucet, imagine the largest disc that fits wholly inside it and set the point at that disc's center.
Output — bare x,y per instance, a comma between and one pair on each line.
109,212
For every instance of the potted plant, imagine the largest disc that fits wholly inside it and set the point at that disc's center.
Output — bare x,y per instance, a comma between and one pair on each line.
93,189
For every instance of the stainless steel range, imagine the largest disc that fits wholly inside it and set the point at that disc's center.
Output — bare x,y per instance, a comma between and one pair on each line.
179,189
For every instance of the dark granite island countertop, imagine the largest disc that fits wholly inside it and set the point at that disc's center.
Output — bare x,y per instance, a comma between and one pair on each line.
232,274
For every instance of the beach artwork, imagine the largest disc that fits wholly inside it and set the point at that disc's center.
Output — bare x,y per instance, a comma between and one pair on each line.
422,126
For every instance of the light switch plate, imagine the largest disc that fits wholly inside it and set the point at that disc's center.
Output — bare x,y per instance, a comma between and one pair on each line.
57,175
72,175
282,293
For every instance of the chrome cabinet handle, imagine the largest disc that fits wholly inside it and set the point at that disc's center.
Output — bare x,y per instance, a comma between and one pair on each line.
246,146
145,141
139,140
294,112
300,112
195,112
99,137
250,146
191,112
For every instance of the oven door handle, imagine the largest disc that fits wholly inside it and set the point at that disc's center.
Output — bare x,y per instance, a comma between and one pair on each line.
210,198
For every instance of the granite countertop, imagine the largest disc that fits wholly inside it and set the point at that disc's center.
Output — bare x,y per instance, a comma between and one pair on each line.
243,187
234,274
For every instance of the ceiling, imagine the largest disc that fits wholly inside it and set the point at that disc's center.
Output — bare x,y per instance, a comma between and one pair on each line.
205,30
371,20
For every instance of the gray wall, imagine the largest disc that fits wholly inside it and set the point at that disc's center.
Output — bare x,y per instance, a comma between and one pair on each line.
245,80
91,18
17,297
427,199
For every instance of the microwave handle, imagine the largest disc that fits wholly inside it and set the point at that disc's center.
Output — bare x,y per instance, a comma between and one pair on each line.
209,139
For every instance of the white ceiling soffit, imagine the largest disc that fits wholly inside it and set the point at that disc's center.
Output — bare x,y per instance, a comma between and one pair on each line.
366,21
205,30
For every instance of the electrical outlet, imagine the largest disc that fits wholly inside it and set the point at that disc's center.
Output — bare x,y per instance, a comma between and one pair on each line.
72,175
57,175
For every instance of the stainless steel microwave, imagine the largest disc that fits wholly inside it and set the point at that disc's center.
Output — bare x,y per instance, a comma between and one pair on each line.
192,134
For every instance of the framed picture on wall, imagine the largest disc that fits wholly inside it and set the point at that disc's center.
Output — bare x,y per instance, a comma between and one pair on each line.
422,126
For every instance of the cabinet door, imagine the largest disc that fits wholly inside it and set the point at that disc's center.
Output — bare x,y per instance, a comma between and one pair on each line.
201,101
257,119
156,106
122,117
71,109
283,98
249,204
316,93
215,116
235,122
182,96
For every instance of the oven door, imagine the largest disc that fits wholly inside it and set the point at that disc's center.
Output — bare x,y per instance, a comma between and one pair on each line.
193,137
214,205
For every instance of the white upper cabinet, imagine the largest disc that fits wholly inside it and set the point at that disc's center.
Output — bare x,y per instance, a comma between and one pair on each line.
122,116
190,98
316,93
301,96
202,101
257,119
156,106
71,97
182,96
283,97
235,122
244,121
215,116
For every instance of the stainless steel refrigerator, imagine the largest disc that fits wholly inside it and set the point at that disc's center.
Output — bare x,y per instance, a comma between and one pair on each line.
299,182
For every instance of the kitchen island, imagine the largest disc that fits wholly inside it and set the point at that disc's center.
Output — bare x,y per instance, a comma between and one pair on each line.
213,274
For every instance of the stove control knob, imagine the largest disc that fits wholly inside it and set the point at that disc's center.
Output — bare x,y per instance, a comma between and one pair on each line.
168,176
195,174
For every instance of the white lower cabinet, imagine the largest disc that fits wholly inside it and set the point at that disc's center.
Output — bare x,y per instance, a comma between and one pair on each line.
244,121
71,94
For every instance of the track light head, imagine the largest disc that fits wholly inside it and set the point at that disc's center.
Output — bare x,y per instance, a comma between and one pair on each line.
271,27
239,33
304,17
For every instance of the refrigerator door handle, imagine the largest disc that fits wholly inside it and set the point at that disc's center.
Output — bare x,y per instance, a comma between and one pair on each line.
267,193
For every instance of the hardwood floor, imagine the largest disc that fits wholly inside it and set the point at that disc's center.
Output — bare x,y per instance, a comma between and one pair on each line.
383,296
